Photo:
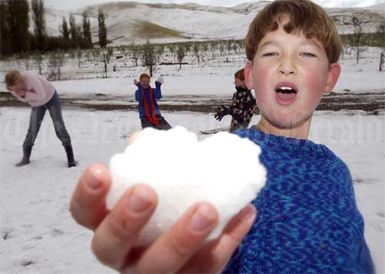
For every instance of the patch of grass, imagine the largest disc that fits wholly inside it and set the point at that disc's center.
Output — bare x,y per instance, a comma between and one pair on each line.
147,30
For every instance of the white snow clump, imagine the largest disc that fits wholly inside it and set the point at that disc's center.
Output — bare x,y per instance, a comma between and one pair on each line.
223,170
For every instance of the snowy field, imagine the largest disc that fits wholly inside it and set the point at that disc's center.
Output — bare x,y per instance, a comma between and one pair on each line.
38,234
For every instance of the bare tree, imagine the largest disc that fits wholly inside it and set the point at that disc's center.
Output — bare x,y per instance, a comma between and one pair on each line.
102,29
87,30
196,50
357,36
55,62
135,54
159,52
381,36
39,22
106,60
171,48
5,29
64,29
18,23
79,55
181,54
38,58
148,57
74,31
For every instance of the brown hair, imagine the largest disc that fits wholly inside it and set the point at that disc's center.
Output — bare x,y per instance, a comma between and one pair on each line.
13,77
304,16
240,74
144,75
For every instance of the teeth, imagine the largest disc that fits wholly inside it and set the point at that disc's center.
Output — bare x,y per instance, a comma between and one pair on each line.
285,88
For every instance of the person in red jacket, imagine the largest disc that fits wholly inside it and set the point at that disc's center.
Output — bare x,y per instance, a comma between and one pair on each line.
147,98
41,95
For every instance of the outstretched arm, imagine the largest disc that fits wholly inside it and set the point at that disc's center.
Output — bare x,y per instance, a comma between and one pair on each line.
182,249
158,91
138,95
222,111
19,96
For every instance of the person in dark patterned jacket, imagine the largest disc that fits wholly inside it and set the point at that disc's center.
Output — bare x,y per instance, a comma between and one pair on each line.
242,107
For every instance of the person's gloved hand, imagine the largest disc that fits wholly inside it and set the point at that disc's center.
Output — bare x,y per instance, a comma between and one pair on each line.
221,113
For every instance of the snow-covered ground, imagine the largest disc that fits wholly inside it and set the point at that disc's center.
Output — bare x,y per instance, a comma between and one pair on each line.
38,234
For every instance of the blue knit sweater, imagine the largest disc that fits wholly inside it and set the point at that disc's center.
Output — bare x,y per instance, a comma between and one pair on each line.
307,217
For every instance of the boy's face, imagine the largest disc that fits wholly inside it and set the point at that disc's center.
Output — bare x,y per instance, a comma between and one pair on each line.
289,74
145,82
238,82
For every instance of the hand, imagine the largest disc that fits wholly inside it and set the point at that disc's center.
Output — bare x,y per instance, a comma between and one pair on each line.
181,249
221,113
160,79
135,82
19,92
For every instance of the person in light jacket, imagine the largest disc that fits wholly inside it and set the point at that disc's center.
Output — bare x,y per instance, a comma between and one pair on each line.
41,95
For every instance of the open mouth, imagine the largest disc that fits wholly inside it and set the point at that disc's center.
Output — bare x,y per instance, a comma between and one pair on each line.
285,94
286,90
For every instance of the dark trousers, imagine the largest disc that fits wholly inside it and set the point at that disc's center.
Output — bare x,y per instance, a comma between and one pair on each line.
163,124
37,115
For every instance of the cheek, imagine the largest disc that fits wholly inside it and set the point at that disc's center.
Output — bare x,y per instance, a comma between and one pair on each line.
314,84
315,87
260,77
261,80
315,81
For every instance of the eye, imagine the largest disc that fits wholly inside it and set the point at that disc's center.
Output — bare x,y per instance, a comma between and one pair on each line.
272,53
308,54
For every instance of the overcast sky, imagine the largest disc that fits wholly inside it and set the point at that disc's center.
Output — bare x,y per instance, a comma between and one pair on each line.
74,4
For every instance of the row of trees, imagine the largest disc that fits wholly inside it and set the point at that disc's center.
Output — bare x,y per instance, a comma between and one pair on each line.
150,55
15,36
358,39
14,24
79,35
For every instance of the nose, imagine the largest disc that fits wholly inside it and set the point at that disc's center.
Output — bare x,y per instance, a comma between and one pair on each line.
287,68
286,72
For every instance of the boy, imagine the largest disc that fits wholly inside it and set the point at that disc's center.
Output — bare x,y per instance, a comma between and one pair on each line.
41,95
307,219
147,97
243,104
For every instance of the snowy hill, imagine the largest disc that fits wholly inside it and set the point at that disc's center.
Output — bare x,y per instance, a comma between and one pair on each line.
129,22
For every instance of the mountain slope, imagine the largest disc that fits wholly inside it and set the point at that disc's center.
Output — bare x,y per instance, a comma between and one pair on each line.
131,22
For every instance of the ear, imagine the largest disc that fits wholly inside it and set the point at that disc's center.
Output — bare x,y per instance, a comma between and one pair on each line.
333,75
249,75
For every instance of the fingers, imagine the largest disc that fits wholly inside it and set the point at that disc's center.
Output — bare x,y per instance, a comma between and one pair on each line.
233,235
174,248
117,234
218,116
88,201
213,257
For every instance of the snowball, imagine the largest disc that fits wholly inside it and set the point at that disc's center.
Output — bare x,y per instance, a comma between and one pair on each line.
223,170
